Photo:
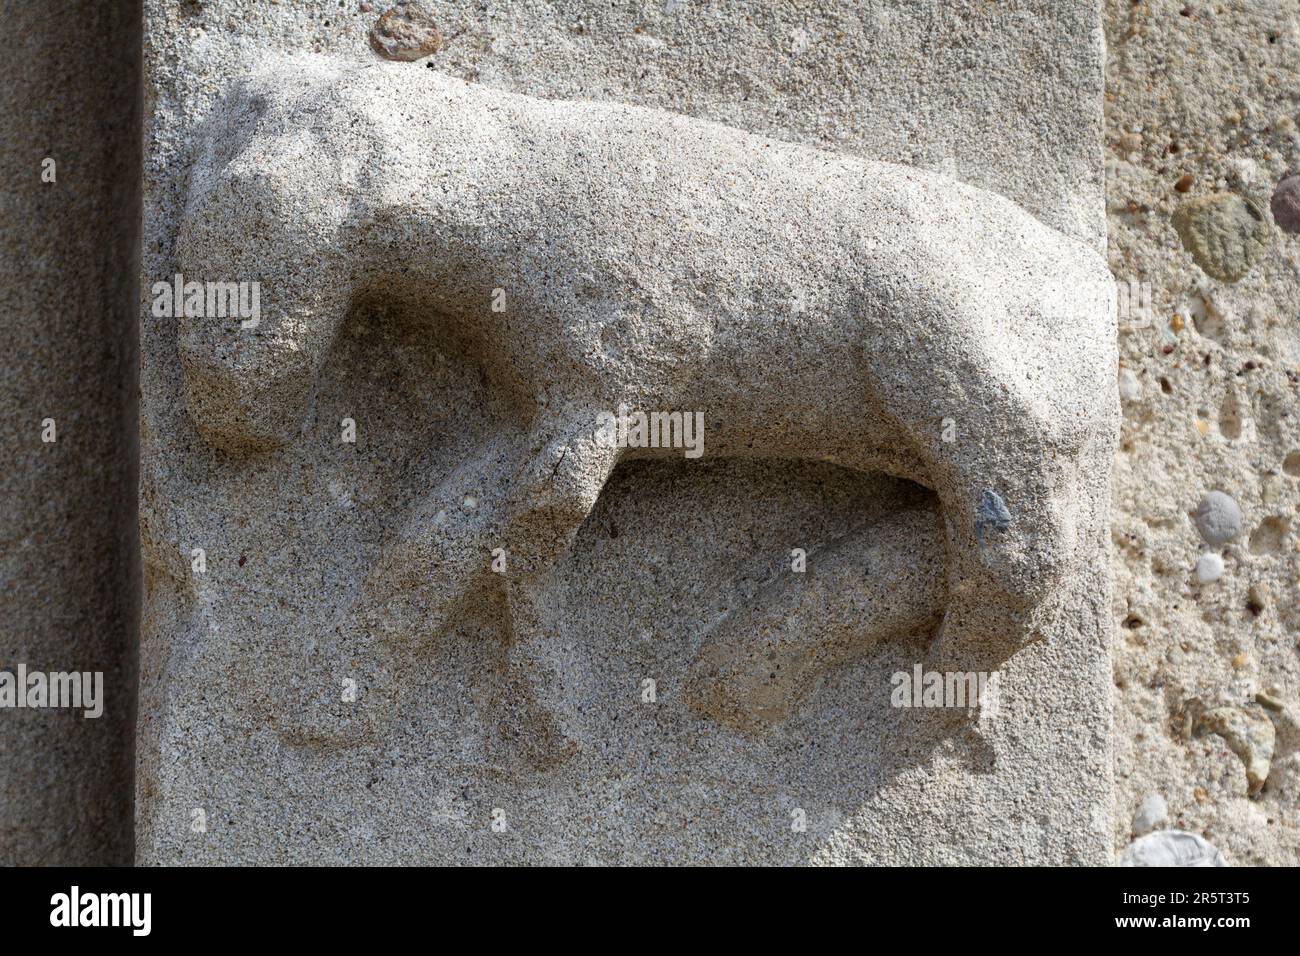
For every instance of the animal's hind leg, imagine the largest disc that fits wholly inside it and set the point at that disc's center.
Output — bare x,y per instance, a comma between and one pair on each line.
879,581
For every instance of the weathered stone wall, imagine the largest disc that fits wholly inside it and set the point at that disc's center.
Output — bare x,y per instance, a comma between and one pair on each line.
1203,106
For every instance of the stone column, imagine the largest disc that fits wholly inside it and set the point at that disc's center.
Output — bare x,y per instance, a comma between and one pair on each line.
69,261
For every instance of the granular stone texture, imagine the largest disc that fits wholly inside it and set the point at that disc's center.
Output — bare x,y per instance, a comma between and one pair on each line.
1249,734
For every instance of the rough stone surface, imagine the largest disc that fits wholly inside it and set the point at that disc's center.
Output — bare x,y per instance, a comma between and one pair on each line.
1249,734
68,549
1171,848
383,207
1211,93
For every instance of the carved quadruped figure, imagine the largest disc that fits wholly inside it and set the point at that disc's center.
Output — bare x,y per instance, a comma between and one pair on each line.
813,305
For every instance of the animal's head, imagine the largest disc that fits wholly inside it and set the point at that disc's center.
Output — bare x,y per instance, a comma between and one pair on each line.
271,202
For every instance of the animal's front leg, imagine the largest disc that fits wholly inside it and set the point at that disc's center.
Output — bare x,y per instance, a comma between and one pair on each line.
558,486
549,500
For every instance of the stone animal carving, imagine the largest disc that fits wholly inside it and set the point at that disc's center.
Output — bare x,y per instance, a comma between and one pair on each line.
592,255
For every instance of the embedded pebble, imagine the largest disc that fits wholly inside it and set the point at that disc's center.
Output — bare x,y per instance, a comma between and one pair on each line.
406,32
991,512
1286,204
1224,233
1249,734
1130,389
1270,700
1218,518
1171,848
1152,813
1209,568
